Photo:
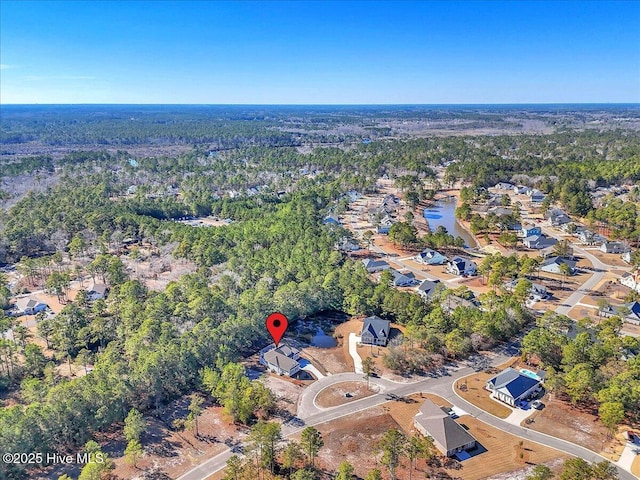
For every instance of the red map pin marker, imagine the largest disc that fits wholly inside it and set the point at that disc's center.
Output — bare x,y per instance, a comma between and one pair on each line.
277,324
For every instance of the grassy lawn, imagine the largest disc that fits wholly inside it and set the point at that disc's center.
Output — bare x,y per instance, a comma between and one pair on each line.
505,452
472,389
635,466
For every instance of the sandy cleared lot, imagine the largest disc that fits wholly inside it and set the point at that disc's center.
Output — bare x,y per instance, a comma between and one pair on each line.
353,438
345,392
608,258
505,452
562,420
336,359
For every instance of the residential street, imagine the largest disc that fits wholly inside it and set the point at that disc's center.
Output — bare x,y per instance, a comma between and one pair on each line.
311,414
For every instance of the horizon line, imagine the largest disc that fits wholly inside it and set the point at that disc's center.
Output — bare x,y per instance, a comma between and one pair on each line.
637,103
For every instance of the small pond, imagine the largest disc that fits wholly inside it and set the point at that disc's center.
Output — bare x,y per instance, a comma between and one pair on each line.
442,213
322,340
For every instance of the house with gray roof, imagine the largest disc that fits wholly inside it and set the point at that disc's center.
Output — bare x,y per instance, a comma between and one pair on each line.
30,306
536,196
552,265
629,312
614,247
590,238
451,302
375,331
403,279
461,266
556,217
373,266
448,436
537,291
282,360
510,386
428,288
97,291
538,242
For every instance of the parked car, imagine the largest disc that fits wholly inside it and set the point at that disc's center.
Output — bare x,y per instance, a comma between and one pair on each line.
537,404
631,436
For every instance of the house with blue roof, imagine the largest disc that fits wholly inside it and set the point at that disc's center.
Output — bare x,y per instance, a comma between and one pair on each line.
430,257
511,386
529,230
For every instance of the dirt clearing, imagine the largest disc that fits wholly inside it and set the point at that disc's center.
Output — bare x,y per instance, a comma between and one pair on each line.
345,392
562,420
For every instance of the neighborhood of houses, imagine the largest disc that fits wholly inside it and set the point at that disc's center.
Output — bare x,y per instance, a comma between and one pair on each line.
537,235
516,388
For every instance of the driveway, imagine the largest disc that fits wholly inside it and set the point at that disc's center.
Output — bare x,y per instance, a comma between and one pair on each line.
628,455
309,414
307,366
353,351
532,435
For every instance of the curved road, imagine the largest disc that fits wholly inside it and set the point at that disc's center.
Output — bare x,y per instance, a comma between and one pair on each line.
311,414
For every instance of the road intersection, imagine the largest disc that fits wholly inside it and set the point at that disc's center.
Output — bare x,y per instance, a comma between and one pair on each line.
309,414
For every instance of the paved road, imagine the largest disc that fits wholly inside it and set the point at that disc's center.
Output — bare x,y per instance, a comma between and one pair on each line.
310,414
534,436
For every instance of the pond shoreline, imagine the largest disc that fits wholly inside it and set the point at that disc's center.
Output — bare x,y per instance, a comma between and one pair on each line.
448,212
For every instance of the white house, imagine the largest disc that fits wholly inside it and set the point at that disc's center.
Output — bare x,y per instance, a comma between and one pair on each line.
401,279
536,196
510,386
557,217
529,230
537,291
30,306
521,189
430,257
461,266
282,360
538,242
375,331
97,291
451,302
385,225
374,266
428,288
629,312
631,280
614,247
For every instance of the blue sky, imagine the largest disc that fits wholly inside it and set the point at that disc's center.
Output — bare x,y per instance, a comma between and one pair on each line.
319,52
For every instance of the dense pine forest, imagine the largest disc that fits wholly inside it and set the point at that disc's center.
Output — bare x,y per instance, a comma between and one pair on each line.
77,203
